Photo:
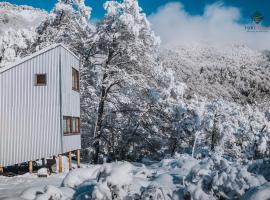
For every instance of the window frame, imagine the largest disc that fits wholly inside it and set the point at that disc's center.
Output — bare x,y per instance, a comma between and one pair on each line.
75,86
36,79
70,129
77,125
67,129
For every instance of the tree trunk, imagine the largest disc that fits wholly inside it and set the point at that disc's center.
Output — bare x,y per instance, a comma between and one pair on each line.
99,124
215,133
194,144
104,92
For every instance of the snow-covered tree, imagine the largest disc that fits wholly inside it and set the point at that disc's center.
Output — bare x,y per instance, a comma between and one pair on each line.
68,23
132,81
13,43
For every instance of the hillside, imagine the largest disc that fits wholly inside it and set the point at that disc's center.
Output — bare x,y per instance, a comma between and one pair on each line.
17,30
236,73
19,17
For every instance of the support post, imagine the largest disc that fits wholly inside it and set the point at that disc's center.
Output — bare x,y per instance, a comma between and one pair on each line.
43,162
78,158
30,166
1,170
69,160
60,164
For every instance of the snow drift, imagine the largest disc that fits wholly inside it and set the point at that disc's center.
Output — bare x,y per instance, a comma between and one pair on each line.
181,177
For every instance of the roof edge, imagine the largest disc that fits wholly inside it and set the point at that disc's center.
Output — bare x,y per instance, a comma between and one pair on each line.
53,46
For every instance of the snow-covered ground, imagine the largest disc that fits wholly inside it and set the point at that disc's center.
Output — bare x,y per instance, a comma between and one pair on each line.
181,177
12,187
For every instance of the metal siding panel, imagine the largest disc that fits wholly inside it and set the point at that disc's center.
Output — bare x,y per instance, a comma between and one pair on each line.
29,115
70,98
71,143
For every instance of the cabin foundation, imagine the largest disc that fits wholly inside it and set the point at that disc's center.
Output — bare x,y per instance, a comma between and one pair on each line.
30,166
60,164
69,160
43,162
78,158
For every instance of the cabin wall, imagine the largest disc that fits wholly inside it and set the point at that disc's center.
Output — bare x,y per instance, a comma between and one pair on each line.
70,98
30,115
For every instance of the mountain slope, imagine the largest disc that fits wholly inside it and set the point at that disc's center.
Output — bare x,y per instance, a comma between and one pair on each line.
17,30
236,73
19,17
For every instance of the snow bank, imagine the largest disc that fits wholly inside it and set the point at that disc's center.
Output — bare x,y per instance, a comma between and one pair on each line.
182,177
78,176
42,172
48,192
260,167
258,193
215,178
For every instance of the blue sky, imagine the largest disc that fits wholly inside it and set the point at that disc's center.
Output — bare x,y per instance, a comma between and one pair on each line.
193,7
194,22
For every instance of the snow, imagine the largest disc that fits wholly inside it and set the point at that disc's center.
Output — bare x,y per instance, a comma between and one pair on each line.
77,177
173,178
42,172
212,104
19,17
258,193
12,188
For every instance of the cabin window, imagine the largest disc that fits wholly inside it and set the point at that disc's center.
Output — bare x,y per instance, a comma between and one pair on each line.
75,80
41,79
71,125
75,125
67,125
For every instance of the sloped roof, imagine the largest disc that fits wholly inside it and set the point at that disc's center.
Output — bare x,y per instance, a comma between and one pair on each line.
5,68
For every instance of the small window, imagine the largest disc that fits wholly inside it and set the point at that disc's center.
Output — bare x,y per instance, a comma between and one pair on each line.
75,80
71,125
67,125
41,79
75,125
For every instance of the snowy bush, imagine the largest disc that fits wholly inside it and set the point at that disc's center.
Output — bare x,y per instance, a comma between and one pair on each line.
261,192
180,177
260,167
217,178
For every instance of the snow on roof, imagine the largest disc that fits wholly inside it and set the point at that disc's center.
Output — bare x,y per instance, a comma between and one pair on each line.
3,69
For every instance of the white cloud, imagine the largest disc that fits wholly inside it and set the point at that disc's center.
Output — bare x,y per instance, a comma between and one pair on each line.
219,25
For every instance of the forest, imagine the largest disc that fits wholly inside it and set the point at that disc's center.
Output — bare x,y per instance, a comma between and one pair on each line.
201,111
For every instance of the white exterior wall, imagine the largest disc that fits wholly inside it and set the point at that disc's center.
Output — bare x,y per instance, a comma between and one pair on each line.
70,98
31,116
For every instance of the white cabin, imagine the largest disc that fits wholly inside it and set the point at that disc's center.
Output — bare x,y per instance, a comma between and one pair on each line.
40,106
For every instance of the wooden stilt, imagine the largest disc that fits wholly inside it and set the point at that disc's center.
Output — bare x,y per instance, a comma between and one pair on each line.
43,162
1,170
30,166
78,158
60,164
69,161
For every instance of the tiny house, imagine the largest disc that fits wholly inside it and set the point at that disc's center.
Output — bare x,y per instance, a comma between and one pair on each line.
40,106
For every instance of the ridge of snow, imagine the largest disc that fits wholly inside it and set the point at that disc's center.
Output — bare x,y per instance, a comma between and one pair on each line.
19,17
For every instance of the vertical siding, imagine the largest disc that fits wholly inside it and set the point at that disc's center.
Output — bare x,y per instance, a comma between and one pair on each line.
70,98
29,114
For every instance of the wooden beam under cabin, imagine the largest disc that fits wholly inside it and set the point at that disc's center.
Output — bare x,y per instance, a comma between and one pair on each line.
1,170
69,160
60,164
30,166
43,162
78,158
